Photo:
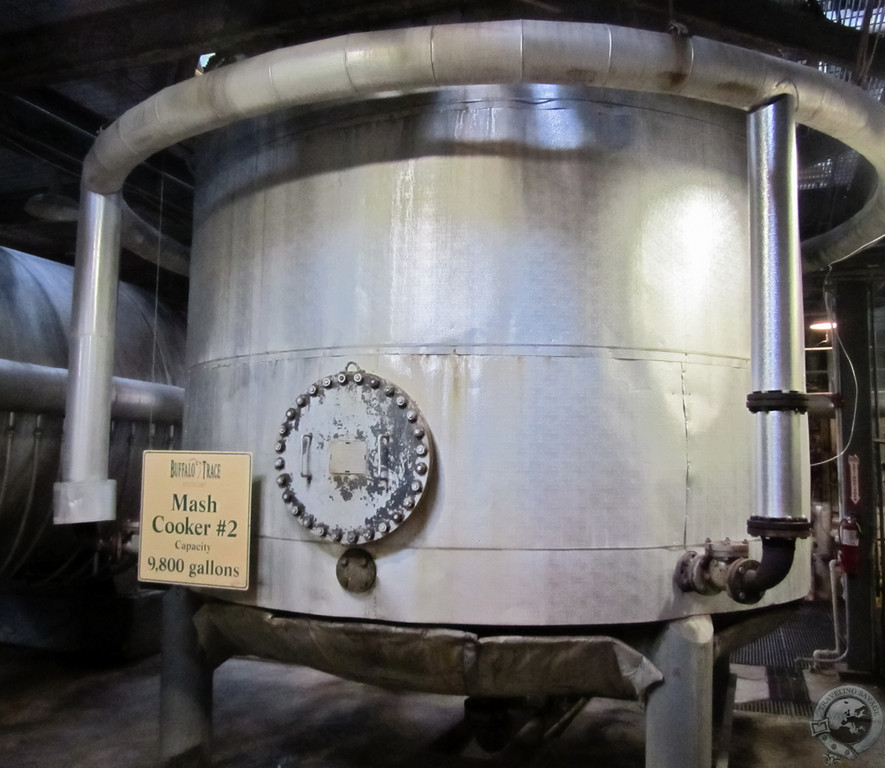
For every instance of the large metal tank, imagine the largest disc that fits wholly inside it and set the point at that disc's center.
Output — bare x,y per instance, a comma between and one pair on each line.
35,304
554,281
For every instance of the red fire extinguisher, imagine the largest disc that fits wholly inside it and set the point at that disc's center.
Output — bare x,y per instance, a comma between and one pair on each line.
849,545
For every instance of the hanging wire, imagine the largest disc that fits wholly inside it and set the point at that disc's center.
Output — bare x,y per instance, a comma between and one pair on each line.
837,343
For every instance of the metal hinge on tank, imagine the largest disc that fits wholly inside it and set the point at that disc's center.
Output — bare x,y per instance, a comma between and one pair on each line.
354,456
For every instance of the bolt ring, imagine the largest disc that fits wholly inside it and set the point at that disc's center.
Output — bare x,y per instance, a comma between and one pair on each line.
379,522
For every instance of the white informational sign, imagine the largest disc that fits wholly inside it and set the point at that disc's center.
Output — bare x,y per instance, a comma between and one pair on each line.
195,518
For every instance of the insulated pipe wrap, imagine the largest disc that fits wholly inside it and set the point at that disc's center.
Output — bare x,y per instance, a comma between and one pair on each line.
92,340
778,362
781,442
777,359
85,494
377,62
575,54
325,62
650,64
369,64
495,53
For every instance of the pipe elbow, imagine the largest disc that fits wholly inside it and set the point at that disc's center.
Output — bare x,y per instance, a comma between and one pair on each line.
748,580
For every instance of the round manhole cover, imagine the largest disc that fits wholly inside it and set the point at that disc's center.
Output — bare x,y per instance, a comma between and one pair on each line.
354,456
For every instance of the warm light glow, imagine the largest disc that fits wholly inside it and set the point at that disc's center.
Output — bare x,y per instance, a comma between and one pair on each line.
823,325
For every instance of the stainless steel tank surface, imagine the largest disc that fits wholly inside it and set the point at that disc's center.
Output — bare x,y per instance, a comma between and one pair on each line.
35,304
548,288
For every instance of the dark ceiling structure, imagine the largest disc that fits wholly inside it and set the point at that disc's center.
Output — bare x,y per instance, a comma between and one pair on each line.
69,69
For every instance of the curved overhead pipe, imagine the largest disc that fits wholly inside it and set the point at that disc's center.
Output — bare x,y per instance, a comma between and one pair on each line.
368,65
371,64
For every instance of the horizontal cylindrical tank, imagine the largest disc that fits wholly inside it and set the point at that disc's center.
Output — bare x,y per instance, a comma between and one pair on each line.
35,302
553,283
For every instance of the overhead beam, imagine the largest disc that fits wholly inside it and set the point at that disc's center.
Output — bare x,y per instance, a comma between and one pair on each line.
155,31
803,30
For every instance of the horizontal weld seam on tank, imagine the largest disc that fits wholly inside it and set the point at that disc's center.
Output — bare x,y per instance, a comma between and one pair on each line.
483,350
609,548
636,60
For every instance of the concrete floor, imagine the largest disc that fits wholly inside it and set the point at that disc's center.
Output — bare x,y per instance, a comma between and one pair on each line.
57,711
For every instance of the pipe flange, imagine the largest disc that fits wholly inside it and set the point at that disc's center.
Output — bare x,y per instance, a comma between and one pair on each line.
739,573
684,570
779,527
357,454
777,400
692,576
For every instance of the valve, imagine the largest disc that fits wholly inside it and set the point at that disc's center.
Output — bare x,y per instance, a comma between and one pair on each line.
707,573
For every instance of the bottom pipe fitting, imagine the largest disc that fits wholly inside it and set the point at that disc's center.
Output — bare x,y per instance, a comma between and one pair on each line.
725,565
747,580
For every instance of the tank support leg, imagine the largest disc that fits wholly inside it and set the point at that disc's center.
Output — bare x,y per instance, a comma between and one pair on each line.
679,717
185,686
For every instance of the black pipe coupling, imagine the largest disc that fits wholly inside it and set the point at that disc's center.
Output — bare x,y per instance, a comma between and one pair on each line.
777,400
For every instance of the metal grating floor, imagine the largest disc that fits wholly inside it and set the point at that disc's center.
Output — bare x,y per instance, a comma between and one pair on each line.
783,653
771,707
808,630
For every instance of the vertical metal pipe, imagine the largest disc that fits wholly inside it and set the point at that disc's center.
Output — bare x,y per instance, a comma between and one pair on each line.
85,494
778,366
